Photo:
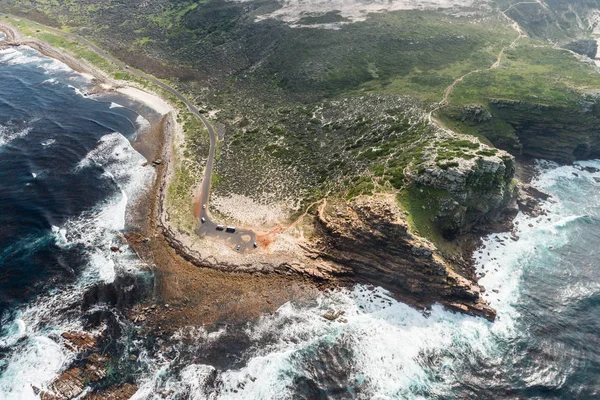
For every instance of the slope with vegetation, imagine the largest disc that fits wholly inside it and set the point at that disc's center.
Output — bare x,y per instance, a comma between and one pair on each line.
408,103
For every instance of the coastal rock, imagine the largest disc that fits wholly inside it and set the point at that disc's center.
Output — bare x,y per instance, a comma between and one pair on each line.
559,133
332,315
472,191
74,380
79,341
122,392
585,47
529,199
369,236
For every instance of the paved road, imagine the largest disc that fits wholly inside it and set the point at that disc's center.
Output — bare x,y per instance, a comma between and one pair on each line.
241,239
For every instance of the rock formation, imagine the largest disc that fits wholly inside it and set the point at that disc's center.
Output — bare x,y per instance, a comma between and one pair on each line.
370,237
558,133
585,47
471,192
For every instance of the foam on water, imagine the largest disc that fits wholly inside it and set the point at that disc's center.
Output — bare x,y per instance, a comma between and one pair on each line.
387,349
190,382
33,366
122,164
51,81
41,358
10,133
78,91
32,349
26,55
142,123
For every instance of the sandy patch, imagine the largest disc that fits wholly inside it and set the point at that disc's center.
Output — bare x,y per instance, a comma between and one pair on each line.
293,11
152,101
249,212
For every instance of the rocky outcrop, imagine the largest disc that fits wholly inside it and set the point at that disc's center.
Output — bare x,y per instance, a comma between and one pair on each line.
562,134
370,237
122,392
585,47
73,381
89,367
79,341
465,192
559,133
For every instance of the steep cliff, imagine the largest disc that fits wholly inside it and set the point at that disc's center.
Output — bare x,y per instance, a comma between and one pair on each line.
561,133
467,188
370,237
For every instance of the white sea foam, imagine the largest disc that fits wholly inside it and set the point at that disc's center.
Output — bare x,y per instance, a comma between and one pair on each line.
37,355
142,123
27,55
51,81
97,229
48,142
190,382
395,351
34,365
10,133
121,163
78,91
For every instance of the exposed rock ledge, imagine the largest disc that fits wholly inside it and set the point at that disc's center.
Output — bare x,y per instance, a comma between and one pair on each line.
363,240
369,235
89,367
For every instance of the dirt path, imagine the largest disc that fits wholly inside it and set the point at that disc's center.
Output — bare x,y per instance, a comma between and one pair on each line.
521,34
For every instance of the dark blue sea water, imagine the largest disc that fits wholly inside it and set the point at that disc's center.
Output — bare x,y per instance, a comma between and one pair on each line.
67,175
67,171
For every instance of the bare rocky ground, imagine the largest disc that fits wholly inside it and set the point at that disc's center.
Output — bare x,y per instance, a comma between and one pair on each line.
293,11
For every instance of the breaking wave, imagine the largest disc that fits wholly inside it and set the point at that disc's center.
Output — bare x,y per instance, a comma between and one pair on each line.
26,55
33,335
379,348
10,133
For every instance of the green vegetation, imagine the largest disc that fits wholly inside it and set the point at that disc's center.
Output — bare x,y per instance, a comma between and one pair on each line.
309,112
531,71
422,204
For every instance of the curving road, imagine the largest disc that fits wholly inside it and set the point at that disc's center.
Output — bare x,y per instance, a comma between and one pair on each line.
242,239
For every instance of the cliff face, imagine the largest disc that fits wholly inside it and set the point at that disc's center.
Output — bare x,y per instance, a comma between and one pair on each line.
562,134
465,193
369,236
559,133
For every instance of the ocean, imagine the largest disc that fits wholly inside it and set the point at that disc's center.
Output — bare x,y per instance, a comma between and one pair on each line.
67,174
69,177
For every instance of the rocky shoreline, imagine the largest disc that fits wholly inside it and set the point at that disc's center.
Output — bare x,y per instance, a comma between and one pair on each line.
363,240
304,262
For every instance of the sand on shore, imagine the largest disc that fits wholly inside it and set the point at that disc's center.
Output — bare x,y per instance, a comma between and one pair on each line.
105,83
150,100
